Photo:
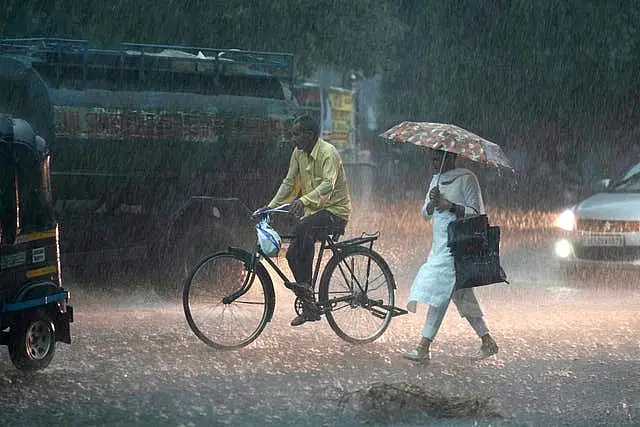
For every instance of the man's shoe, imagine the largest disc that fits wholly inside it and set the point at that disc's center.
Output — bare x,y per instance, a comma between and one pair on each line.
298,320
310,313
303,318
418,354
488,347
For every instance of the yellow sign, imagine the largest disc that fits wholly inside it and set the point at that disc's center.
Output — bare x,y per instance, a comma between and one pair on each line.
339,117
334,107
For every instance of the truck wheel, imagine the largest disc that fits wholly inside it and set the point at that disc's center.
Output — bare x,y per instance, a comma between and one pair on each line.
191,247
32,341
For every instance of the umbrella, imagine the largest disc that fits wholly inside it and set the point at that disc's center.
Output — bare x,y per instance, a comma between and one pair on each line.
449,138
473,267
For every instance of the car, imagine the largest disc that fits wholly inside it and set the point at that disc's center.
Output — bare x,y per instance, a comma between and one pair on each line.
603,229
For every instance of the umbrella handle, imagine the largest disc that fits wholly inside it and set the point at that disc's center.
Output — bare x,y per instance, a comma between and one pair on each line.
441,166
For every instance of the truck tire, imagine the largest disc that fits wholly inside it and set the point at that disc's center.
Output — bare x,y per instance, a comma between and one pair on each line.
178,260
32,341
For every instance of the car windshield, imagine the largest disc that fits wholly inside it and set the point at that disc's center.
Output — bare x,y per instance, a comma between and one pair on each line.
630,183
634,170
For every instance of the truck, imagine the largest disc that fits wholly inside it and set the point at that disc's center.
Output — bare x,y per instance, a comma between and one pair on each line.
158,151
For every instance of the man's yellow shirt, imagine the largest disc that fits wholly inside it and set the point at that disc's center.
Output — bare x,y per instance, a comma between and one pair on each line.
320,178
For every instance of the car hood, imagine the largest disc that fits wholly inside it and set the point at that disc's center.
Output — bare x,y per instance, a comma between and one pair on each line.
612,206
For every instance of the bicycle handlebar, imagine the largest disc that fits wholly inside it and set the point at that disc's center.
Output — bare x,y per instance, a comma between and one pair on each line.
279,209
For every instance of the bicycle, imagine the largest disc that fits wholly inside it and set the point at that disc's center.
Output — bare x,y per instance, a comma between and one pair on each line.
229,298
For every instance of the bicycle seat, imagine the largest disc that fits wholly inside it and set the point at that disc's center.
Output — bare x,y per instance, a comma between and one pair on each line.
332,232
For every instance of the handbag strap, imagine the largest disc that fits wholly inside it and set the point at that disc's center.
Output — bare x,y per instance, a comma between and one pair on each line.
471,207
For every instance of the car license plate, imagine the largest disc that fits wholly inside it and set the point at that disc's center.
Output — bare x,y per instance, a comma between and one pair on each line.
603,240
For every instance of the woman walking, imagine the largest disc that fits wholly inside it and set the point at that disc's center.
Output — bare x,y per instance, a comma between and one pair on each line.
453,193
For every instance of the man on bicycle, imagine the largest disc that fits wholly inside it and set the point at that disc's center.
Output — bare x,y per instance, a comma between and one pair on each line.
316,186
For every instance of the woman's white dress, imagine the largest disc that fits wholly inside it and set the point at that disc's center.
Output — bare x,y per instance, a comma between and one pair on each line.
435,280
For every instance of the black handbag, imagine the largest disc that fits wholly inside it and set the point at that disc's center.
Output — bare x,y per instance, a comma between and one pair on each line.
475,246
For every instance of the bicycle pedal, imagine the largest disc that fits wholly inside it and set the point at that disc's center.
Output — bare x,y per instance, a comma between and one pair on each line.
297,306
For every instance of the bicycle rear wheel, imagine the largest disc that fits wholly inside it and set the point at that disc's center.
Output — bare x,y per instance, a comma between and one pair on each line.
355,288
232,323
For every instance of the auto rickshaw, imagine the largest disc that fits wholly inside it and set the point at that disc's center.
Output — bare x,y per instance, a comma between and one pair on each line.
34,308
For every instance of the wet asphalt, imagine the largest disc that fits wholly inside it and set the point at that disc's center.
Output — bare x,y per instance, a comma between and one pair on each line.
569,355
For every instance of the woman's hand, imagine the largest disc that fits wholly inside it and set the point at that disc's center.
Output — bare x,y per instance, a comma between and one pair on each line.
436,201
434,195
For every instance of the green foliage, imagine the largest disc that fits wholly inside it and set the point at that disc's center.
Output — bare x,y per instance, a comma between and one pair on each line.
480,63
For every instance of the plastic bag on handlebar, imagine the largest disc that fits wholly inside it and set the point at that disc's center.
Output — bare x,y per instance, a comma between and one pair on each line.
268,238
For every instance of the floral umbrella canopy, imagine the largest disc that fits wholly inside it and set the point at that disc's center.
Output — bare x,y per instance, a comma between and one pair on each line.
449,138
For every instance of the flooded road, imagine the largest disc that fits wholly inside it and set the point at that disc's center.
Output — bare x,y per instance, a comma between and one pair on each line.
569,355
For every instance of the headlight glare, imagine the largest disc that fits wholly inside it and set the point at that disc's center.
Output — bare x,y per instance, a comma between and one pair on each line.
563,248
566,220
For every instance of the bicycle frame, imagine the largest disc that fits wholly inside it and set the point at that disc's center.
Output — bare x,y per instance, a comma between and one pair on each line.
327,243
346,293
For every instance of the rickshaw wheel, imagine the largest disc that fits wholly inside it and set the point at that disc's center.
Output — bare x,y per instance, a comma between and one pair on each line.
32,341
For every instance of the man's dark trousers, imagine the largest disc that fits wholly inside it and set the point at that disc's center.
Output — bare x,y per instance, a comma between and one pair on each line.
302,248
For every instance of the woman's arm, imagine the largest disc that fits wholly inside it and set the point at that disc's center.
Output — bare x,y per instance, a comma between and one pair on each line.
472,194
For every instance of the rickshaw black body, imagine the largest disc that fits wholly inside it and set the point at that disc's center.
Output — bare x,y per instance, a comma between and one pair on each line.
34,307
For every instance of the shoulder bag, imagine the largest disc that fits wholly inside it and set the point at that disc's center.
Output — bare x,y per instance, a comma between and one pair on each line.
475,246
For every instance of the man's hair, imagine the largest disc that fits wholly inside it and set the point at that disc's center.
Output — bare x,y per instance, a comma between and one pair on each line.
309,123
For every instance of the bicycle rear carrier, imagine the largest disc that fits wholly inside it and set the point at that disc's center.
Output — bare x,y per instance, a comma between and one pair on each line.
380,310
365,238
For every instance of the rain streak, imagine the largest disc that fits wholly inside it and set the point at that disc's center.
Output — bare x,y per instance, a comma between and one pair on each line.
162,170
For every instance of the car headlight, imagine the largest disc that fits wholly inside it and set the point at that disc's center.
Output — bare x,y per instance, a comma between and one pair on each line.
566,220
563,248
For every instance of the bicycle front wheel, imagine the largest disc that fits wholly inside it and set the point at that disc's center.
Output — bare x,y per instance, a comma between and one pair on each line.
357,289
225,304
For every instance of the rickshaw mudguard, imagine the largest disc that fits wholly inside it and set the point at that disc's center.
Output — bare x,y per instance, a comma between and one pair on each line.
44,294
35,289
264,275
